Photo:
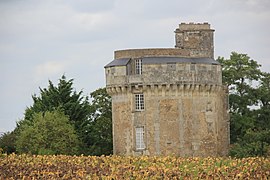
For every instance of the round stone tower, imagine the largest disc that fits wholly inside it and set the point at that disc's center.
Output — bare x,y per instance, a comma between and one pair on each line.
170,100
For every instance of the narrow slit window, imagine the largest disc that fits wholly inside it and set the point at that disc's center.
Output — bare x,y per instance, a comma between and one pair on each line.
138,66
140,138
139,102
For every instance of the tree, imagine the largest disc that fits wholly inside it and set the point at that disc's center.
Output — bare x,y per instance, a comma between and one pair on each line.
50,133
239,72
249,105
63,97
99,138
262,123
92,121
263,100
7,142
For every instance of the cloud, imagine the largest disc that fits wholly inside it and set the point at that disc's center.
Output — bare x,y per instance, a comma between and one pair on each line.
92,6
41,40
50,68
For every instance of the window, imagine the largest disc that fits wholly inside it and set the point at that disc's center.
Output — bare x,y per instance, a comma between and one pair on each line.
192,67
134,66
138,66
140,138
139,102
171,66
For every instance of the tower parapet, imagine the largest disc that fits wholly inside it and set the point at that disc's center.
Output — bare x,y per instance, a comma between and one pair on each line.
198,39
194,26
162,70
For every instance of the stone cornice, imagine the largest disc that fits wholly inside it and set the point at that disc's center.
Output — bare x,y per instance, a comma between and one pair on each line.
155,88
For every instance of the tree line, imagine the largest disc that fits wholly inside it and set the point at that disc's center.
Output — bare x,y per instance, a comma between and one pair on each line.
63,121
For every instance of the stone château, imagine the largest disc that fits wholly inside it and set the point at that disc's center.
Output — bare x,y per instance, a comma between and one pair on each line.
170,101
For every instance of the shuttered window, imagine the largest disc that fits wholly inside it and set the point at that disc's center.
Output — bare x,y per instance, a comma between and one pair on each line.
138,66
140,138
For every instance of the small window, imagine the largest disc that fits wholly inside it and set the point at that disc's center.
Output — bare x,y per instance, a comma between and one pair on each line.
138,66
192,67
171,66
112,70
139,102
140,138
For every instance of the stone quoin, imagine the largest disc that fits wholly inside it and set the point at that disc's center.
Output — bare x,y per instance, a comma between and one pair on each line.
170,101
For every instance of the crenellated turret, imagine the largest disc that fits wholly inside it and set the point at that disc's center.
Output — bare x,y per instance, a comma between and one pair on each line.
198,39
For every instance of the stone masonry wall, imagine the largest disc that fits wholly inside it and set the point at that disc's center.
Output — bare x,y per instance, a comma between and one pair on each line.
198,39
185,110
164,74
180,122
154,52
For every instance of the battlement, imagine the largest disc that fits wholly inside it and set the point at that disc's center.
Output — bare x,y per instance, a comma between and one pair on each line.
167,89
193,26
197,38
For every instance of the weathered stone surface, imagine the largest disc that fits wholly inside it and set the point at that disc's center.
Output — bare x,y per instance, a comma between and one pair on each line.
197,39
185,104
138,53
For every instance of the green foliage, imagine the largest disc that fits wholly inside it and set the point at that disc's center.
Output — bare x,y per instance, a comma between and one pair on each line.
46,127
254,143
63,97
99,136
249,125
238,73
239,70
92,121
49,133
7,142
263,99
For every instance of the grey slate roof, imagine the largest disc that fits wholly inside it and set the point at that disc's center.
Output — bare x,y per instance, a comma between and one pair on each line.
164,60
118,62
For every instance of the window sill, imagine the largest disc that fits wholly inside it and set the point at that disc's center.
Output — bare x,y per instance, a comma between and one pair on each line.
140,150
139,110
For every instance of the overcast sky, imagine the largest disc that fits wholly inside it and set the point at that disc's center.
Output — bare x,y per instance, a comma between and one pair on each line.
41,40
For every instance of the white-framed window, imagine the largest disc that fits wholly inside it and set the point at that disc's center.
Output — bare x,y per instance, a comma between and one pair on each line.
138,66
139,102
140,138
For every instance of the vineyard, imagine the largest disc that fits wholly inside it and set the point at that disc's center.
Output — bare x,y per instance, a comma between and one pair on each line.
117,167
